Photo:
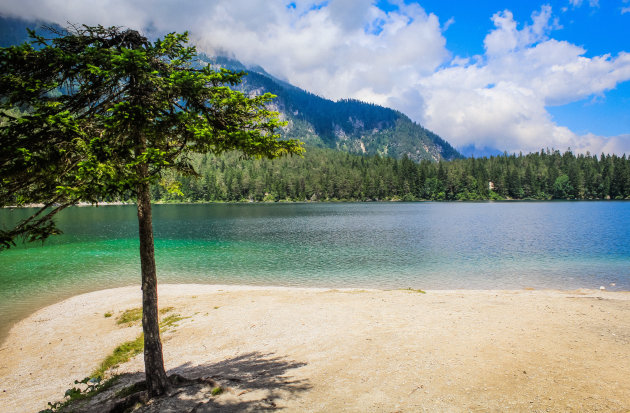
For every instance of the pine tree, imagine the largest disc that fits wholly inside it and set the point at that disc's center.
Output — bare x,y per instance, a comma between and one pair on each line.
107,114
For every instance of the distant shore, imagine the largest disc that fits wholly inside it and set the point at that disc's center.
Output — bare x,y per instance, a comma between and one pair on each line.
81,204
350,350
327,201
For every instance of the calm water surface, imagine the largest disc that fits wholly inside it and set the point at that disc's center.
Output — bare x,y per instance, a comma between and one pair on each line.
560,245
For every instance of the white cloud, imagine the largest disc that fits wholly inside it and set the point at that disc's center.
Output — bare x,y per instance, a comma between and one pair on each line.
337,48
600,144
448,24
578,3
328,51
342,49
501,101
507,37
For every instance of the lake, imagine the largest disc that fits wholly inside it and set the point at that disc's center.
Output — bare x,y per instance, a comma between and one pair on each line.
490,245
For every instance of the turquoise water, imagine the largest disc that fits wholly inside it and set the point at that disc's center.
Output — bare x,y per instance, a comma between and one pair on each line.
560,245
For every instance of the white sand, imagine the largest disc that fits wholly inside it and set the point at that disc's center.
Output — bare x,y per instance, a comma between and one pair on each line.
332,350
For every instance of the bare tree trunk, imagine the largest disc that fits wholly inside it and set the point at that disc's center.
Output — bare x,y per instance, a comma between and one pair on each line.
157,381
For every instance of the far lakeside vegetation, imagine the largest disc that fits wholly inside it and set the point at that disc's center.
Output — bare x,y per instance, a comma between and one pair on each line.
328,175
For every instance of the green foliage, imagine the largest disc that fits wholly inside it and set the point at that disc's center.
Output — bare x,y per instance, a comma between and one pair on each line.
165,310
327,175
170,321
216,391
130,316
105,114
94,384
562,188
347,125
88,387
92,113
120,355
411,290
107,314
133,315
129,349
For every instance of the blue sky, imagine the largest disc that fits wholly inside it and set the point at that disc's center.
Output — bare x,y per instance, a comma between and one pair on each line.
508,75
599,27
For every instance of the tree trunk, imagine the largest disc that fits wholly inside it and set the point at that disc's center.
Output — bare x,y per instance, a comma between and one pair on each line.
157,381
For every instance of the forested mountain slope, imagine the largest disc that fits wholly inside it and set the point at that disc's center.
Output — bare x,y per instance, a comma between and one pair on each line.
347,125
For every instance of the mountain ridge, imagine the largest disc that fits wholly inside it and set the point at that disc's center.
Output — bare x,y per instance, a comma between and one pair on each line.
348,125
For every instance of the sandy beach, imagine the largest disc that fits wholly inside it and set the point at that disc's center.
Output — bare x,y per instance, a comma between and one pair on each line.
343,350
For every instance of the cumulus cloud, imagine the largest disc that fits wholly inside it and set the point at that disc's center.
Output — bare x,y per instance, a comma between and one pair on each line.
327,50
501,101
342,49
335,48
578,3
507,37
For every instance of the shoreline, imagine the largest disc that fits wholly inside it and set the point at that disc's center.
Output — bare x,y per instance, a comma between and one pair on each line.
353,349
331,201
6,329
262,287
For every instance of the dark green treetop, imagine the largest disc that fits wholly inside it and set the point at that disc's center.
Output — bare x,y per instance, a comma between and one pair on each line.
81,111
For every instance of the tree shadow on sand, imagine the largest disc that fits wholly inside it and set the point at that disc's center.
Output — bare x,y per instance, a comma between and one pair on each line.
253,381
248,382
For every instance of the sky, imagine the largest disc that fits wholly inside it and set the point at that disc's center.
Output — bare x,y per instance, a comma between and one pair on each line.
485,75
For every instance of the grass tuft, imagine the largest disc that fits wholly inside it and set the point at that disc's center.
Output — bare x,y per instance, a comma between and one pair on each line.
166,310
130,316
170,321
121,354
133,315
411,290
129,349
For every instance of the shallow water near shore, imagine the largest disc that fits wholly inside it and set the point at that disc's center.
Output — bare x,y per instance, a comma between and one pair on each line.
508,245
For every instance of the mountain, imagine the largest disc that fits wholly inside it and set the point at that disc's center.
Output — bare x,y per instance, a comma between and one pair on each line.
348,125
13,31
475,151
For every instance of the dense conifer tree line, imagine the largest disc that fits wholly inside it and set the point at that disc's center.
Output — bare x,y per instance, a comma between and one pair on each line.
327,175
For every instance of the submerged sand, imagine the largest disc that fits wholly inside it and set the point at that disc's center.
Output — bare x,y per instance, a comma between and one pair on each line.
338,350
